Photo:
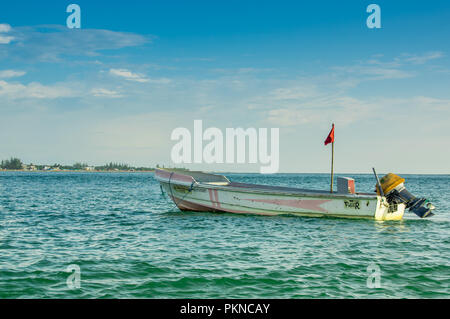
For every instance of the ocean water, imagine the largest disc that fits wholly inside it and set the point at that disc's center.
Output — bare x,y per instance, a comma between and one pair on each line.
114,235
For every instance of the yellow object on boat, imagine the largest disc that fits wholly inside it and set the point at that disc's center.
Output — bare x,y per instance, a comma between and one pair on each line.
389,182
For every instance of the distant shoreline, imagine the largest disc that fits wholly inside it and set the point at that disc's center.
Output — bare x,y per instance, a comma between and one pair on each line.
76,171
216,172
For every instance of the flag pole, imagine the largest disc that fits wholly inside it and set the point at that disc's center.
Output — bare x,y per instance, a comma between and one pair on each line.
332,162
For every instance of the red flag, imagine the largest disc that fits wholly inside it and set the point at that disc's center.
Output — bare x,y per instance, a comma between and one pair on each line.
330,138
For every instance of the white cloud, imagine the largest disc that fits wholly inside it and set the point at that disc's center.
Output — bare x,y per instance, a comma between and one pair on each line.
33,90
375,72
100,92
340,109
374,69
240,71
160,81
421,59
53,42
300,92
346,110
289,117
386,73
11,74
137,77
431,104
128,75
4,27
5,39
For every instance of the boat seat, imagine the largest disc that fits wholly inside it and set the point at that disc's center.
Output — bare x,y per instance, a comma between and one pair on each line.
218,183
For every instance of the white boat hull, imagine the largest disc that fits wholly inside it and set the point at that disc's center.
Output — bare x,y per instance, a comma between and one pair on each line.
266,200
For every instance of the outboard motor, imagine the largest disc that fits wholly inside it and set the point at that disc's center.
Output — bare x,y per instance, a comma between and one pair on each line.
395,192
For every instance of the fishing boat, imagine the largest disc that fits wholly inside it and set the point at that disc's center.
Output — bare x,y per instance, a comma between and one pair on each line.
199,191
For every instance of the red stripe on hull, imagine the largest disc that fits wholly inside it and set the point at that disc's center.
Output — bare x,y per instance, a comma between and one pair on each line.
214,198
187,205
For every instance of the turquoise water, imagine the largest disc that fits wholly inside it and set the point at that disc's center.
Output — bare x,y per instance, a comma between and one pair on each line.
129,241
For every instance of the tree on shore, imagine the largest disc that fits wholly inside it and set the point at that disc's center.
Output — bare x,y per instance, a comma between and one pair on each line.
78,166
114,166
13,163
16,164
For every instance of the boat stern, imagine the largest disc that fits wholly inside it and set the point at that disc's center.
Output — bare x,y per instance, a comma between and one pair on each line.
389,211
394,189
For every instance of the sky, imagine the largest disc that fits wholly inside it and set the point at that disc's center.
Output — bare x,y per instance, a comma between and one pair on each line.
116,88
